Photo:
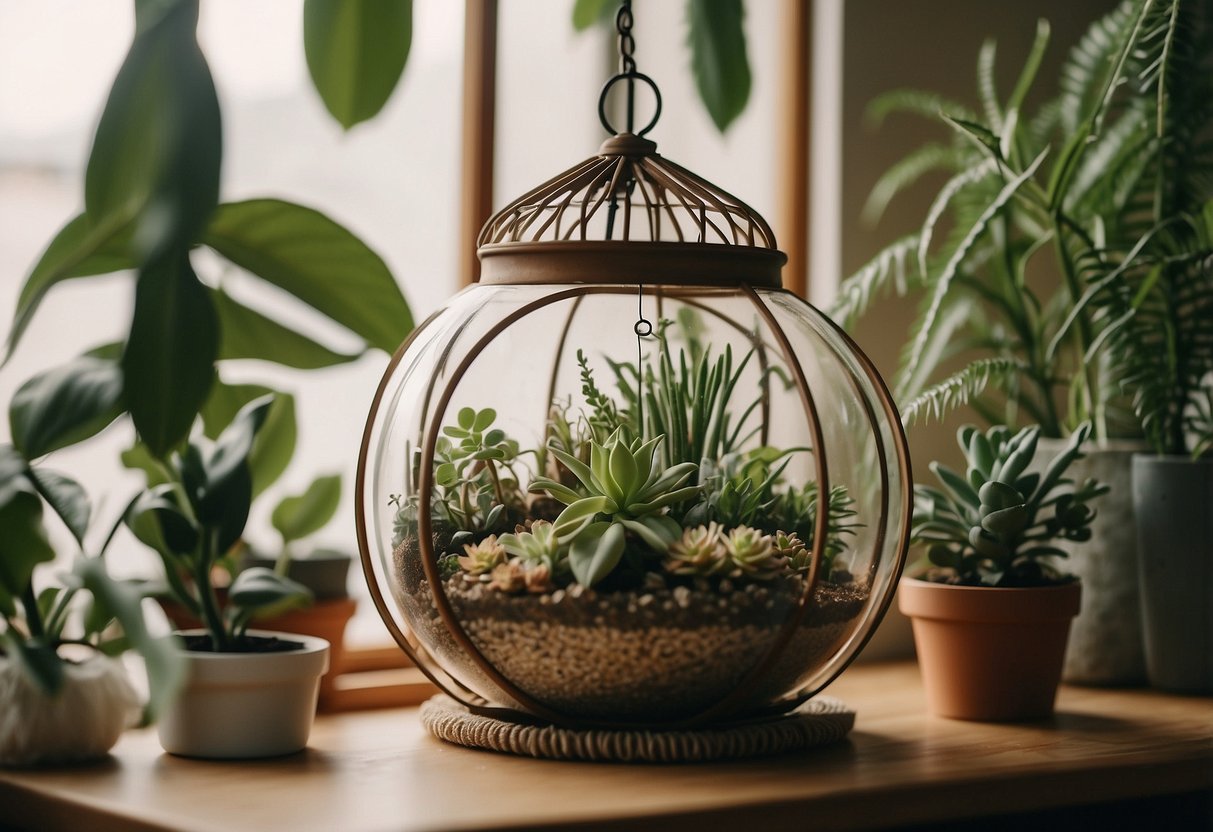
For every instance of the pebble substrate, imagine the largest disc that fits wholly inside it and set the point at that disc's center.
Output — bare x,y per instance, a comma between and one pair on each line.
646,654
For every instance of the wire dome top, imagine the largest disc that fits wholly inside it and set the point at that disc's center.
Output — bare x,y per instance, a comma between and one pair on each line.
629,215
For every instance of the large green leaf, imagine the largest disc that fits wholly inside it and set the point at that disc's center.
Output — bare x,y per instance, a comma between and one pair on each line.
65,405
596,552
246,333
164,661
259,588
156,154
78,250
318,261
588,12
168,364
274,444
718,58
66,497
356,52
300,515
23,544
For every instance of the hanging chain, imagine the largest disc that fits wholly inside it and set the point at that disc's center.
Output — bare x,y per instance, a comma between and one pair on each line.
627,63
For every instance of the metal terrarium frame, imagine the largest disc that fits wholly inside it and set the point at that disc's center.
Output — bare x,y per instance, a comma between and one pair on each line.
629,221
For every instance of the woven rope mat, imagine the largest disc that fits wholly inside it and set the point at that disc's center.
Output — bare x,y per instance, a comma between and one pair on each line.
819,721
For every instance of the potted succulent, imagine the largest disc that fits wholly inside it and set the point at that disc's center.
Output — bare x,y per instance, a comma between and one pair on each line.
992,614
1054,210
630,521
248,693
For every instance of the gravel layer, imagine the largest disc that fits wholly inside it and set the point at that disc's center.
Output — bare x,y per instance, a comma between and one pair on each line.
646,654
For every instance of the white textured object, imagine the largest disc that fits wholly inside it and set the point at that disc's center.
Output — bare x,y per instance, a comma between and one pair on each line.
81,722
244,705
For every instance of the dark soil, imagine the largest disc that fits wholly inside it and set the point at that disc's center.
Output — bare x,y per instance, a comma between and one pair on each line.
248,644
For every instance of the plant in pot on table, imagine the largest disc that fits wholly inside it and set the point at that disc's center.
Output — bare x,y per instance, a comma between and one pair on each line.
249,693
992,614
64,694
1052,208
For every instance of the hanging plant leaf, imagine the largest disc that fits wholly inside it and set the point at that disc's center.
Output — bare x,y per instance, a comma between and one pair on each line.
356,53
298,516
246,333
65,405
156,154
274,444
76,251
66,497
718,58
168,365
318,261
588,12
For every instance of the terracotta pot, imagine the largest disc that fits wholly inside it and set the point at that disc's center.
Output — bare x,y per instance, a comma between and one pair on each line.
245,705
323,619
988,653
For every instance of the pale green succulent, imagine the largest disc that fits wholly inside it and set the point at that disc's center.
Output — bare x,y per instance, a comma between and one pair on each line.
624,485
792,547
538,545
480,558
700,551
753,555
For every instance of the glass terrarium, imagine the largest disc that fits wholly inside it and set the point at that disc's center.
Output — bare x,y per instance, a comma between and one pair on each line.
627,479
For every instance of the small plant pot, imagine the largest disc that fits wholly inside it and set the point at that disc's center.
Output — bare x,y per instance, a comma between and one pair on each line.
82,722
986,653
245,705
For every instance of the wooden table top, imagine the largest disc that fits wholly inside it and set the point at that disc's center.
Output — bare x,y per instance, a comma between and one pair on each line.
378,770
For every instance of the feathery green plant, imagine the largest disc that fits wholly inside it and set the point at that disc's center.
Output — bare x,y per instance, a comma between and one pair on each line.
1118,151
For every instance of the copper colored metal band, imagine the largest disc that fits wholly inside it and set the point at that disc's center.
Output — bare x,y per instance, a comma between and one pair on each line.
631,262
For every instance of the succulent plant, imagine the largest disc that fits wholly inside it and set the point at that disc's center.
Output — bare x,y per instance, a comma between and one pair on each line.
796,510
700,552
994,525
517,575
537,545
481,558
623,484
753,555
792,547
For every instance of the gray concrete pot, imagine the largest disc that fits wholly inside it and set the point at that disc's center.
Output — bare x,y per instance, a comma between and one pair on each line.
1173,497
1106,638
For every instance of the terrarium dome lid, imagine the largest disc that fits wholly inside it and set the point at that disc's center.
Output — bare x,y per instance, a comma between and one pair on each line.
629,215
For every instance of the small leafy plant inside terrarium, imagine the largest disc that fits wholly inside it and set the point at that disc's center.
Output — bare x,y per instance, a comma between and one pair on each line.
995,525
666,481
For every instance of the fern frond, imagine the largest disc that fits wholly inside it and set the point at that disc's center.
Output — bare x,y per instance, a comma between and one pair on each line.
924,160
976,173
884,271
918,103
961,388
941,284
986,91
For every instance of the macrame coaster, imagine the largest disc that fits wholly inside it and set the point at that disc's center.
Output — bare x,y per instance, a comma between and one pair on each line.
819,721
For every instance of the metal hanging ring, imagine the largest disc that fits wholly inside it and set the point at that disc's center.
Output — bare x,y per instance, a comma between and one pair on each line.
643,327
628,76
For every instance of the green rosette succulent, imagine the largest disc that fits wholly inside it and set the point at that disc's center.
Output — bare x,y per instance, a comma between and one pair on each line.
753,555
699,552
536,545
623,489
481,558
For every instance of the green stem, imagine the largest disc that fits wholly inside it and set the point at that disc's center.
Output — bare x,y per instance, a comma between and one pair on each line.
32,616
206,595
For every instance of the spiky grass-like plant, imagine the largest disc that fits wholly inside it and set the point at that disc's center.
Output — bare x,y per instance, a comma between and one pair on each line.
1118,151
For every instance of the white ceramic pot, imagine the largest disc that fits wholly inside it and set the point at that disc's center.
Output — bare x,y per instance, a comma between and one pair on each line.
244,705
81,722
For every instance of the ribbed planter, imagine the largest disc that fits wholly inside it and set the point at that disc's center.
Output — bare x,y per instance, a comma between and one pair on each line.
245,705
988,653
1173,497
1106,638
82,722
